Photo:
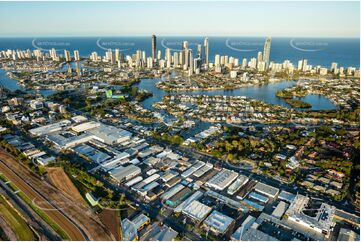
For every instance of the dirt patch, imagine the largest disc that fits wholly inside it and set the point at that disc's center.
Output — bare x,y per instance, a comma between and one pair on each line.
111,220
60,180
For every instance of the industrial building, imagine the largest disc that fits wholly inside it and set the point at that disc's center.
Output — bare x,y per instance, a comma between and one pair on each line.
235,186
197,211
124,173
258,197
110,135
50,128
247,223
218,223
286,196
266,190
179,197
253,234
140,221
85,126
222,179
184,204
280,210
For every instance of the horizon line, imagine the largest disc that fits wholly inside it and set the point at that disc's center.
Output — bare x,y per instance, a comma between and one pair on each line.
170,35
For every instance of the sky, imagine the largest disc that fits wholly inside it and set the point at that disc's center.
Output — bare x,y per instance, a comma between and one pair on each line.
276,19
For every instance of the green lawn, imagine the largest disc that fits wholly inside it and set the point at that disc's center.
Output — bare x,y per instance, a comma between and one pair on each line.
15,221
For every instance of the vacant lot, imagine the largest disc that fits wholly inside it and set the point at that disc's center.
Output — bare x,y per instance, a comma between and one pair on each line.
110,218
17,224
60,179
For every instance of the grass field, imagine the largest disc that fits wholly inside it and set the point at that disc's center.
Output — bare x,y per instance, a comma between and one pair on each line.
15,221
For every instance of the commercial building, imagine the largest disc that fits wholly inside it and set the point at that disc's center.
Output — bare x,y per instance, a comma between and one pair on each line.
197,211
222,179
218,223
313,215
266,190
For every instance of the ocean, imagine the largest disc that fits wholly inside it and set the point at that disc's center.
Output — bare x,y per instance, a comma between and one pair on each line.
320,51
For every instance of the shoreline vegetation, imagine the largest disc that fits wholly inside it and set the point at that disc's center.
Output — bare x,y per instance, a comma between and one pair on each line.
298,103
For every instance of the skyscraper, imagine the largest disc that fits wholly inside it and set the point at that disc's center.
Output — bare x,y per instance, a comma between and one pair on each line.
154,46
266,51
76,55
67,55
206,50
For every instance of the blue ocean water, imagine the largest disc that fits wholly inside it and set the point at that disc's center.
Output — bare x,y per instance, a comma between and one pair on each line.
321,51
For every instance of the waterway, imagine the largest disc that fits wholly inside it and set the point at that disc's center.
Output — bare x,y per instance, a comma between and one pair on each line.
264,93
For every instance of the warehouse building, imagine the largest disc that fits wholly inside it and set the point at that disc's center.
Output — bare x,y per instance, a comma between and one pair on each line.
222,179
50,128
280,210
235,186
287,196
203,170
266,190
66,140
124,173
183,205
258,197
247,223
85,126
197,211
179,197
218,223
110,135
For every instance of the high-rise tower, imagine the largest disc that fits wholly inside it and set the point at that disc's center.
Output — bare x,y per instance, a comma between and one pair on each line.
206,50
154,47
266,51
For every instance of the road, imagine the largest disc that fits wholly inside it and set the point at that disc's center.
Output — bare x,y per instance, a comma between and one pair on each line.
56,215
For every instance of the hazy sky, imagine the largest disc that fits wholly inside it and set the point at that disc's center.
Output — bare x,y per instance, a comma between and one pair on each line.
290,19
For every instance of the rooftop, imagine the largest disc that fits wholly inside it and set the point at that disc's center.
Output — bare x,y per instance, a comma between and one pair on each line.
218,222
197,210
